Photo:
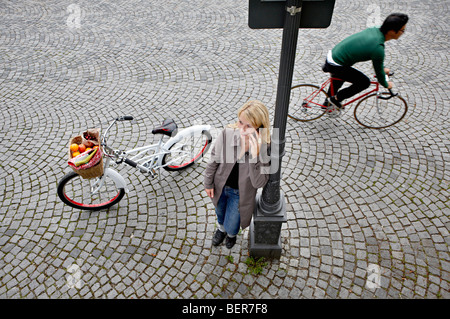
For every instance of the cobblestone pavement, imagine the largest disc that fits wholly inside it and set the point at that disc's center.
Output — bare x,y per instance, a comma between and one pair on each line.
356,198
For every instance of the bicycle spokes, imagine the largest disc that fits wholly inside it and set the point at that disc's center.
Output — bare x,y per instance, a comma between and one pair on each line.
307,102
91,194
188,150
376,112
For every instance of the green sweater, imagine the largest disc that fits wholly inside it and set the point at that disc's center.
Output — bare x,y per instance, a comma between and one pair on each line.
363,46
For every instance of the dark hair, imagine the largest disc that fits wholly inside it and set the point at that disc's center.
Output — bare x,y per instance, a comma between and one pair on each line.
394,21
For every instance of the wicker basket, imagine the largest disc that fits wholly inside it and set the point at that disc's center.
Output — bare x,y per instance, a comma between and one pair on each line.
92,172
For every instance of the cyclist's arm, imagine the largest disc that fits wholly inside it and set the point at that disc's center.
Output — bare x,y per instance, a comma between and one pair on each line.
379,71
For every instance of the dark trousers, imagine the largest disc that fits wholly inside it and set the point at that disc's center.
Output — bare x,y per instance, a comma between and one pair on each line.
359,81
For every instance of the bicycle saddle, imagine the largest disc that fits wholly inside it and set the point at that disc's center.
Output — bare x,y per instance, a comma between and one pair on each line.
168,127
325,68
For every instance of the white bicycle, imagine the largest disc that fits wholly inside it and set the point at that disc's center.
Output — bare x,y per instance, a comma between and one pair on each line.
182,150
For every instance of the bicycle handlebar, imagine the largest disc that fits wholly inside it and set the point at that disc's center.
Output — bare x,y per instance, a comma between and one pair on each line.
120,118
391,94
124,118
117,154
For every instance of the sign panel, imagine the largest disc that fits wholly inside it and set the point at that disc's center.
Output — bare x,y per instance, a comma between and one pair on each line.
270,14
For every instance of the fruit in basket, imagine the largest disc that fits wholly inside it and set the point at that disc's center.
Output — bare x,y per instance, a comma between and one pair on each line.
88,143
88,149
89,137
75,154
74,147
81,148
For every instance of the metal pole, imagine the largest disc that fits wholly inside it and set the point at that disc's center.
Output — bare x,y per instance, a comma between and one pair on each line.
271,201
270,212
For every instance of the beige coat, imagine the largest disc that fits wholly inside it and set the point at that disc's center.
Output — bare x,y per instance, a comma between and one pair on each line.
253,174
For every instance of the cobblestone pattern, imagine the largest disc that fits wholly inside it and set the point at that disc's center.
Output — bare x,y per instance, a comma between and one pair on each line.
355,197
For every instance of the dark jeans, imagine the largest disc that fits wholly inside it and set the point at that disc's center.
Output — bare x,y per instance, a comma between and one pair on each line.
359,81
227,210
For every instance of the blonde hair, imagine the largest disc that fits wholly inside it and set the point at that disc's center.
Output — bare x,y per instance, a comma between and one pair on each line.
256,113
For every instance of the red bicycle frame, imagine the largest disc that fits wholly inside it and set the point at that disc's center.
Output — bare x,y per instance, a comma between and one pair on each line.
330,82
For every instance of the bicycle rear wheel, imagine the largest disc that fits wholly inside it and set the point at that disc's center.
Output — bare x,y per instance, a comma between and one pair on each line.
187,151
307,102
76,192
376,113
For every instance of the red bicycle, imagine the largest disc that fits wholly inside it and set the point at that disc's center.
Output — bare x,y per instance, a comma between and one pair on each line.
375,109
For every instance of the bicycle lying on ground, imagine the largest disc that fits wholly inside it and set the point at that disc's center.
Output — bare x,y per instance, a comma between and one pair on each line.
375,110
182,150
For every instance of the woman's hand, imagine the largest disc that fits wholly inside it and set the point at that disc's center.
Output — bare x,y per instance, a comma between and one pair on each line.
210,192
255,144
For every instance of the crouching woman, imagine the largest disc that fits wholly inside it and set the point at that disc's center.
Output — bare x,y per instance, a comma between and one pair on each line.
239,165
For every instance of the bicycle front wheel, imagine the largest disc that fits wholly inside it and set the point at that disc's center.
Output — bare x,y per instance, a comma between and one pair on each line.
90,194
308,102
374,112
187,151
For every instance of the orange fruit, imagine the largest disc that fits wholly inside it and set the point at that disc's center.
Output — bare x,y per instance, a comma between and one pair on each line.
88,149
81,148
74,147
75,154
95,146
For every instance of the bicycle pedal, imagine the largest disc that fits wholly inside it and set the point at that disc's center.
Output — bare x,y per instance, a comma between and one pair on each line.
334,112
330,109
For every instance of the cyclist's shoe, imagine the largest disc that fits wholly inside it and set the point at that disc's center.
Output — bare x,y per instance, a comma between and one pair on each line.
333,110
336,103
326,104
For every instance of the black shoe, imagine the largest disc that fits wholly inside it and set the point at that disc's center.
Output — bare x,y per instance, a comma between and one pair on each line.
218,238
325,105
230,241
336,103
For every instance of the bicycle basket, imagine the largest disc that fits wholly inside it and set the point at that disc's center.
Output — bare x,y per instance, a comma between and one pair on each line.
94,167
